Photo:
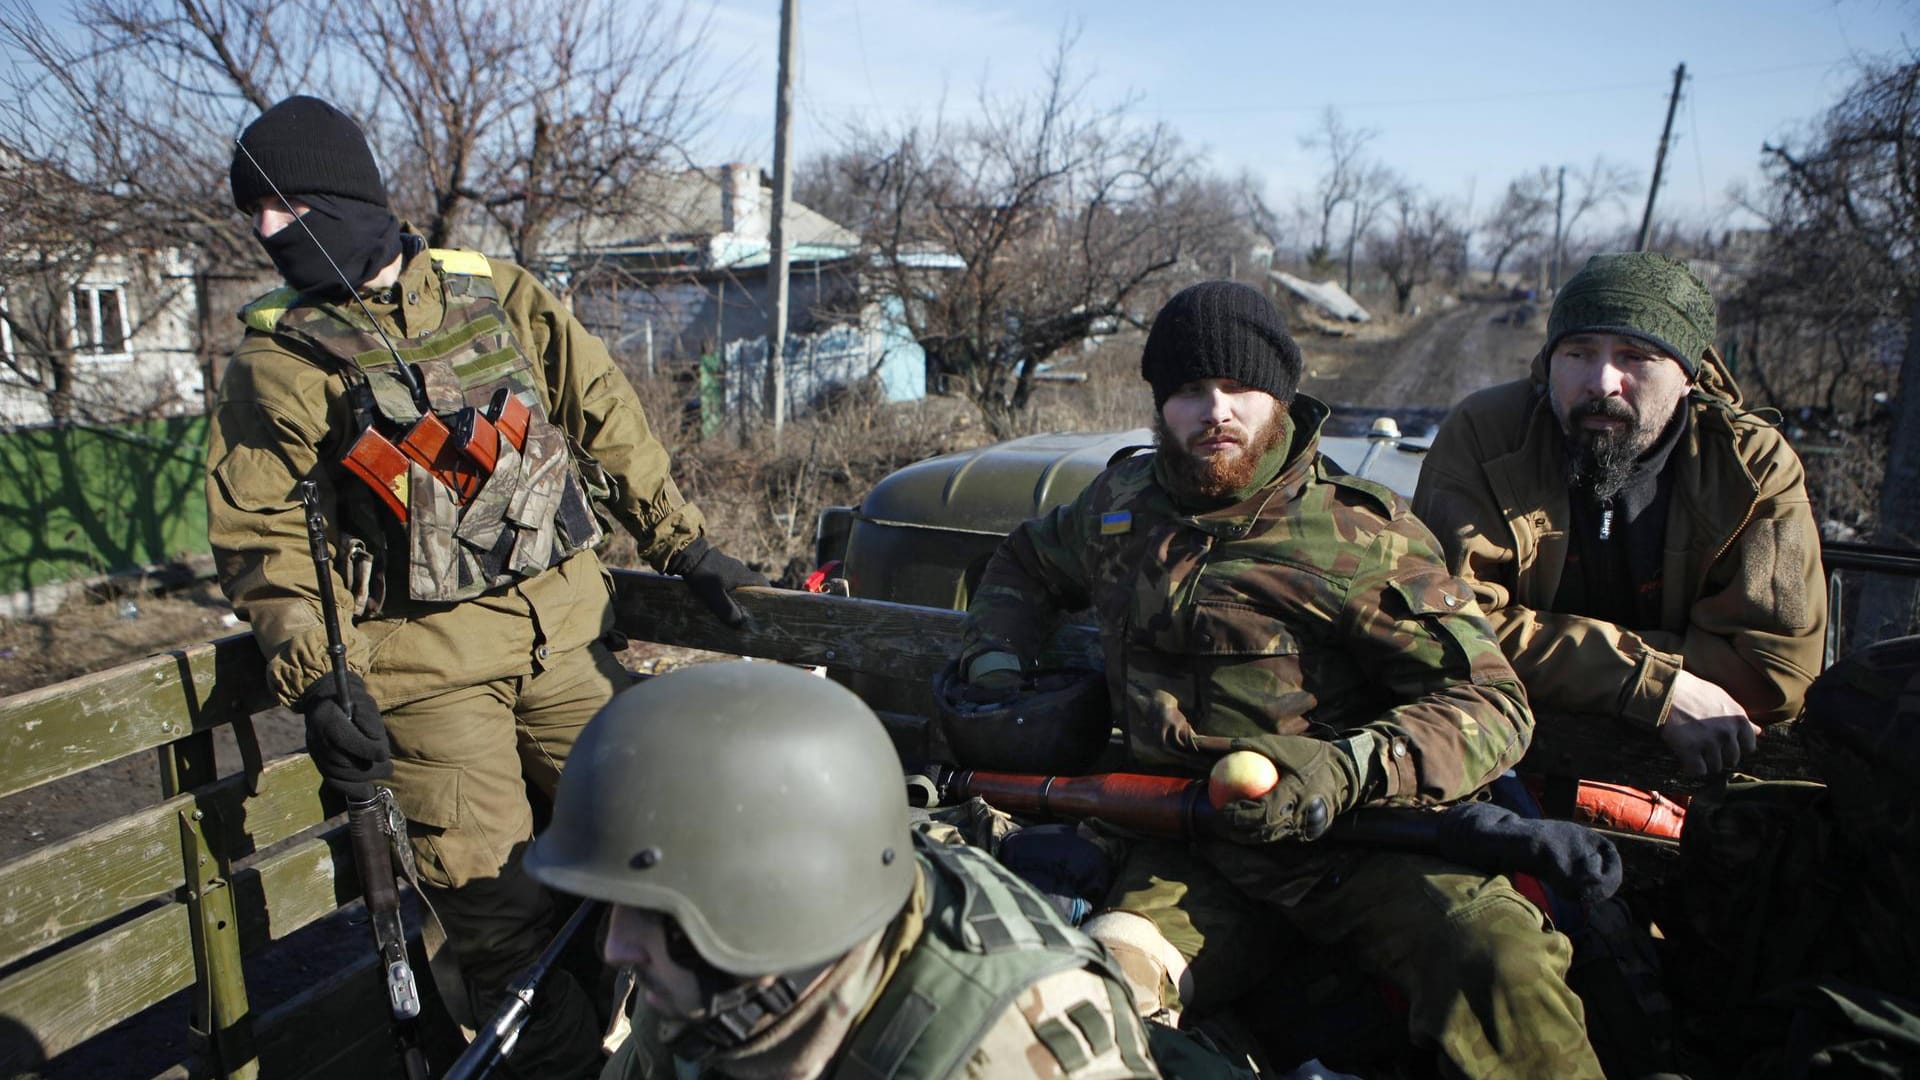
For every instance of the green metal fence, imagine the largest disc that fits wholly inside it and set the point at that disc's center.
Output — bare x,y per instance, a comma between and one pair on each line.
77,502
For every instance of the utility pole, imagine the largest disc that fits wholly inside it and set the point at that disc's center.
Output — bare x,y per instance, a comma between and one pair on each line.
1660,158
1559,241
777,259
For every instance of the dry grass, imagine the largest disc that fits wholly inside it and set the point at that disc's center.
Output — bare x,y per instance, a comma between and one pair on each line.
761,500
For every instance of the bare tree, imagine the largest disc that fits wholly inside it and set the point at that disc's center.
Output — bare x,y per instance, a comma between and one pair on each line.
1520,219
1056,221
94,177
1835,289
1344,181
1419,243
1261,218
1601,184
1376,187
543,124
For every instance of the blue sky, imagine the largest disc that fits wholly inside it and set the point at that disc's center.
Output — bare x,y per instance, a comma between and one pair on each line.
1464,95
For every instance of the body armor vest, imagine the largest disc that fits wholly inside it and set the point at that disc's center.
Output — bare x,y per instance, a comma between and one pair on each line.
530,513
988,937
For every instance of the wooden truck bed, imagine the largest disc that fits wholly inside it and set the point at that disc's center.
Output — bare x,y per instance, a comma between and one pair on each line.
232,857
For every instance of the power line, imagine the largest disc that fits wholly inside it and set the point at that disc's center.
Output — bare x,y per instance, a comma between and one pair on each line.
1505,97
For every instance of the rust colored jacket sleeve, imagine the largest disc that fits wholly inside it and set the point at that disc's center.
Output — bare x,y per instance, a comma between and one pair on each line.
1759,628
1756,631
589,399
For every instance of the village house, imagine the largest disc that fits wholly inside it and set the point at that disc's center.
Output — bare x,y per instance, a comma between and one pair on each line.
684,291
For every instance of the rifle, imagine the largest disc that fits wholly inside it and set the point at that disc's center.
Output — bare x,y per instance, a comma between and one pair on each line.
376,825
495,1041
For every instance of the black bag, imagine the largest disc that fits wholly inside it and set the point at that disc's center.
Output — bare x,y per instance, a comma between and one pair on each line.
1795,898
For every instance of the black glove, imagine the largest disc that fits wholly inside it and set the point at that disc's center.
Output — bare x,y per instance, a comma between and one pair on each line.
712,574
1318,783
1573,859
349,752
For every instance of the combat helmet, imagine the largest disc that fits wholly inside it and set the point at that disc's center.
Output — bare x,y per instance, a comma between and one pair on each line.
761,807
1055,721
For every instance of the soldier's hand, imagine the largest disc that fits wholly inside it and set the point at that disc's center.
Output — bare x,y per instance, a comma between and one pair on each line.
1706,729
1318,782
350,751
992,677
712,574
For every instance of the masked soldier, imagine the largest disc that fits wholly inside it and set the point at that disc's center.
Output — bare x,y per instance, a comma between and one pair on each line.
1251,596
748,823
465,433
1643,546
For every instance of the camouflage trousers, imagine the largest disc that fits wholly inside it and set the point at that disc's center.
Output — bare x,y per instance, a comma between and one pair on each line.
463,764
1483,974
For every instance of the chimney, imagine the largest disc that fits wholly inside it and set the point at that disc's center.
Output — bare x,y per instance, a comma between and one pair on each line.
743,205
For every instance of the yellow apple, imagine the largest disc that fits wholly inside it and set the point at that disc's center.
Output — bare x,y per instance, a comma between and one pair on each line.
1241,774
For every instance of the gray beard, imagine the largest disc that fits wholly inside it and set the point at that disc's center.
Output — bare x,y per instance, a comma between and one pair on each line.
1600,465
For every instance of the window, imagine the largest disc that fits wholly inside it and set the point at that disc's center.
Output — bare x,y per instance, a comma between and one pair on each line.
100,320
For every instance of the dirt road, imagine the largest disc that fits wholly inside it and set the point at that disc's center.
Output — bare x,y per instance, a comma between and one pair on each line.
1446,356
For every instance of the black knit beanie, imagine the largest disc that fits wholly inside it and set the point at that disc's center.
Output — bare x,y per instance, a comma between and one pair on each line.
1220,330
307,147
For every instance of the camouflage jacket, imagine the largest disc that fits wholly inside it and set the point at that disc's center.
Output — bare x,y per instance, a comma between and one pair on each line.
1317,606
1744,603
283,415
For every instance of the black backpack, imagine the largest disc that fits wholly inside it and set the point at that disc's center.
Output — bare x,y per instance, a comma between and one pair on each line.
1795,949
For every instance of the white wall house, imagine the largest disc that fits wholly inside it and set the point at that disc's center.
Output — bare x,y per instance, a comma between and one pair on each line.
130,318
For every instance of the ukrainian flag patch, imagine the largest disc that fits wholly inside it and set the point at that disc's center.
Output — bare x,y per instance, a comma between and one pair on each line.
1115,523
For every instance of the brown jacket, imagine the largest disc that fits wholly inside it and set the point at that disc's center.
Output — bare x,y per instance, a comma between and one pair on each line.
282,417
1745,602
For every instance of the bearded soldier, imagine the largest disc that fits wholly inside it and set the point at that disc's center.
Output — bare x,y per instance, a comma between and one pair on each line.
1643,546
465,434
749,824
1251,596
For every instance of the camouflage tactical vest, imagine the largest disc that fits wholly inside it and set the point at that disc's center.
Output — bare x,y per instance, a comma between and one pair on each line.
533,510
988,937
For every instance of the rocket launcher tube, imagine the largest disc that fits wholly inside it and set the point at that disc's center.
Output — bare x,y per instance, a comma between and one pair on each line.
1171,806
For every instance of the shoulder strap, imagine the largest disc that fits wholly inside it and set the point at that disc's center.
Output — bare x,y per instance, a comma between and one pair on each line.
988,937
458,261
1380,494
264,312
996,911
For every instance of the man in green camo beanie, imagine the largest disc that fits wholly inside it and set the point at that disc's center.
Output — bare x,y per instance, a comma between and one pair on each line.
1643,546
1638,294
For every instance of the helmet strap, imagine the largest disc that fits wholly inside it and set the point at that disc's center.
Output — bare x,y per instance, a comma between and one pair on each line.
734,1014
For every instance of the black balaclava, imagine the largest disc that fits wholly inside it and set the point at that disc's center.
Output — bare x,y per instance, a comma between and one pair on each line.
362,237
314,153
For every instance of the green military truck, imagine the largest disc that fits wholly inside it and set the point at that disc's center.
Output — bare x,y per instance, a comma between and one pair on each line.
166,942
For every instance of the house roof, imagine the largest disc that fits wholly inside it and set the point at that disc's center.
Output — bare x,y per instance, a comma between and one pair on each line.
715,217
